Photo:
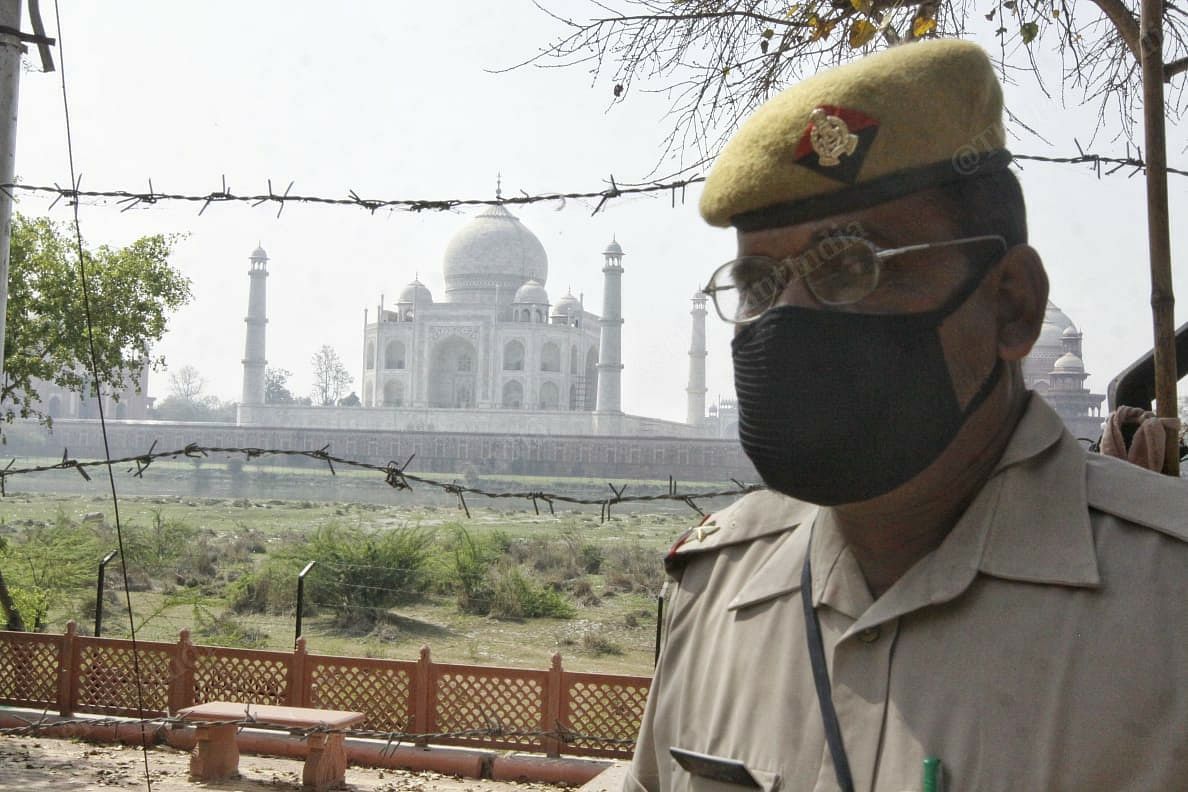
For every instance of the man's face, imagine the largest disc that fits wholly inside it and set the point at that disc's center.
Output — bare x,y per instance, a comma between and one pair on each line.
911,283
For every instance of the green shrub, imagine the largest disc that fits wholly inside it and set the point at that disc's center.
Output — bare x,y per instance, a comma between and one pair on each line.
473,558
631,567
361,573
515,595
271,589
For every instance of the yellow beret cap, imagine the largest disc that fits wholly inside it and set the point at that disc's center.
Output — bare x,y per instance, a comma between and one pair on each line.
904,119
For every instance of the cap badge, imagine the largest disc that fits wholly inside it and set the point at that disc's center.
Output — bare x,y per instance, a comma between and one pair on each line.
836,142
831,138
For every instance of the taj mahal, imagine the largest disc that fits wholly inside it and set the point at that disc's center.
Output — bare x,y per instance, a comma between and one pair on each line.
493,354
496,354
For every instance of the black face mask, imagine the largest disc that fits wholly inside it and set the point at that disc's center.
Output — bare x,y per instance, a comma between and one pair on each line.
840,407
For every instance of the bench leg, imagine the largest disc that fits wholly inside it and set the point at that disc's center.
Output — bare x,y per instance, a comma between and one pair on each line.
325,764
215,756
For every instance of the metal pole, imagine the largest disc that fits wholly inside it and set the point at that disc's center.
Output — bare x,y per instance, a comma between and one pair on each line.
10,80
659,622
301,596
1163,300
99,592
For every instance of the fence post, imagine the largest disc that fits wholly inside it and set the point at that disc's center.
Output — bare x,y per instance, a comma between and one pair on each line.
181,686
551,709
424,697
67,669
298,694
99,592
301,598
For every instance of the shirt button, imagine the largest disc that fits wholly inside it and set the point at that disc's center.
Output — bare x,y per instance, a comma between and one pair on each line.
869,635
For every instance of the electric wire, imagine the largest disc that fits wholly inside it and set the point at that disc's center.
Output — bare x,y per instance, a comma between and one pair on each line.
86,293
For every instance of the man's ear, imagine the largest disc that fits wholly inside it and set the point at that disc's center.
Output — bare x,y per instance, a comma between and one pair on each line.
1021,299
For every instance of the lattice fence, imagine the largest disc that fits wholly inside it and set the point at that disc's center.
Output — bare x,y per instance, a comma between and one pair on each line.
611,710
241,675
597,714
470,697
382,689
29,670
105,677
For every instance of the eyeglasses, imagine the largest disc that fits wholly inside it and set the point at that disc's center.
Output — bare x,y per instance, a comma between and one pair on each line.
838,270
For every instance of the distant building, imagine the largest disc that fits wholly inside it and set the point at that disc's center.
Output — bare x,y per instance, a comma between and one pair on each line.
494,354
132,402
1056,371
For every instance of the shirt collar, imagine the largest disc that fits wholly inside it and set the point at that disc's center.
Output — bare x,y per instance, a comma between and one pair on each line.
1029,523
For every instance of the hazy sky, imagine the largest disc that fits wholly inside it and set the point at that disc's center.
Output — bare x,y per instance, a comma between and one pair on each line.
391,99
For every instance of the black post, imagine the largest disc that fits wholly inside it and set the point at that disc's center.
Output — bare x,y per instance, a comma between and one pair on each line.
99,592
301,596
659,622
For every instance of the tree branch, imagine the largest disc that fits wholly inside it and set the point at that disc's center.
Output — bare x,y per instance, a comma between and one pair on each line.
1175,67
1124,22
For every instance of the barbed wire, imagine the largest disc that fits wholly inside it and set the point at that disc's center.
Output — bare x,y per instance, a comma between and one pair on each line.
495,731
130,198
395,476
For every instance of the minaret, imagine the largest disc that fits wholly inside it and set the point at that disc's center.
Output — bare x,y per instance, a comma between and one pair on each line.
695,412
257,318
610,344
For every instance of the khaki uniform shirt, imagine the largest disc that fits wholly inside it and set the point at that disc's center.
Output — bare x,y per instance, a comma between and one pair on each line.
1042,646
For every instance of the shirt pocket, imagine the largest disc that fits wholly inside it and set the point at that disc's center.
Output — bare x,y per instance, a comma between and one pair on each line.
698,772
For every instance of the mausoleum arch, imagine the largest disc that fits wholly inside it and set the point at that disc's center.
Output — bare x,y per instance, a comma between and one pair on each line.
513,395
550,357
513,356
394,355
394,393
369,356
548,396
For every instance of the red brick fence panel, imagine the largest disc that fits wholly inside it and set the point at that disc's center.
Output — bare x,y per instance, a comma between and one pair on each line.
29,670
509,700
104,673
551,711
381,688
606,706
250,676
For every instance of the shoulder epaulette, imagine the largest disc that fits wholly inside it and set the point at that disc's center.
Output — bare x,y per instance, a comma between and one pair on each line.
1133,493
759,514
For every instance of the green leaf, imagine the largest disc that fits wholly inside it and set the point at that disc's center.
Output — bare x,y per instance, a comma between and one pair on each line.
1029,31
768,33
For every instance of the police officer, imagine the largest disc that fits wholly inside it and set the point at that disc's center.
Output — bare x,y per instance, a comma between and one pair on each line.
939,585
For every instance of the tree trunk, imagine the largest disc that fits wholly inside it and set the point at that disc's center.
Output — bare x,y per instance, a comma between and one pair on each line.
11,616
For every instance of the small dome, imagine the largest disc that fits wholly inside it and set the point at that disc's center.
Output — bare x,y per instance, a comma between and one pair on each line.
259,254
567,305
1070,363
613,249
1071,332
415,292
532,293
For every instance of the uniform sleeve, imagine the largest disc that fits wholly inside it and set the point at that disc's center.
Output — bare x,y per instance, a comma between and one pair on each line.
644,773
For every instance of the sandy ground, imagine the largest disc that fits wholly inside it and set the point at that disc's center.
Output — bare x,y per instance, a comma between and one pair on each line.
69,766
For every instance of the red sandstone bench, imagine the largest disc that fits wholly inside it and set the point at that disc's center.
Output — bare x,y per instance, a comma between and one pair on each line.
216,754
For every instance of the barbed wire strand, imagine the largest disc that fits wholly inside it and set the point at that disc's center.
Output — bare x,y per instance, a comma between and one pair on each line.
395,476
129,198
495,730
94,361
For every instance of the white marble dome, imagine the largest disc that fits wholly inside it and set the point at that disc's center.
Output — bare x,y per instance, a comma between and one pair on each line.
259,253
493,253
415,292
1070,363
567,305
532,293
